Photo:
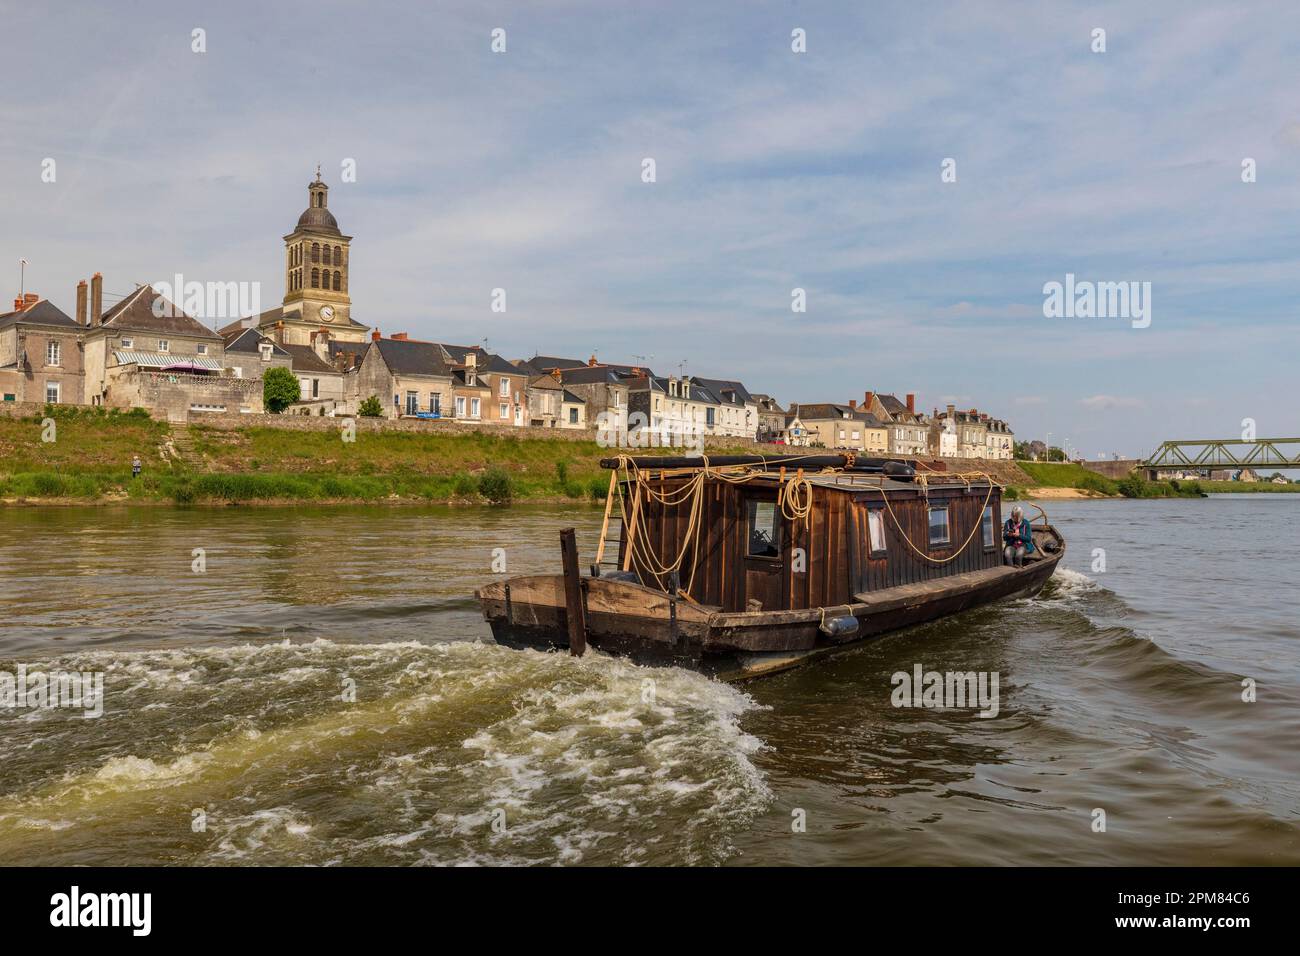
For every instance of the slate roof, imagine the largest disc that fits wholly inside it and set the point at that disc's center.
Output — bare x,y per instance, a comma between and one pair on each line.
406,357
135,313
355,349
897,410
305,359
823,411
542,364
719,387
592,375
249,341
570,397
43,312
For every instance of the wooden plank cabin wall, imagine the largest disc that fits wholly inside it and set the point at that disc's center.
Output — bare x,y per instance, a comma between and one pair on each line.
835,570
900,565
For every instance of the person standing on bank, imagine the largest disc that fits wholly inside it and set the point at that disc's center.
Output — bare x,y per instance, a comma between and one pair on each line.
135,467
1017,538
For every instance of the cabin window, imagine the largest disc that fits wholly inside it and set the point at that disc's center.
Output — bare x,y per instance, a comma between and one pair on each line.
986,526
876,531
764,530
938,526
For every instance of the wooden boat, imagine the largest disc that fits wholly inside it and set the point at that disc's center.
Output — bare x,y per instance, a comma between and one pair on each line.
747,565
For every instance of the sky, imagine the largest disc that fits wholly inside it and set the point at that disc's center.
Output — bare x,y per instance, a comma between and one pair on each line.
774,171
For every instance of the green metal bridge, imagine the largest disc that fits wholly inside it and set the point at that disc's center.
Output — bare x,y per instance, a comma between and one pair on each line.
1225,453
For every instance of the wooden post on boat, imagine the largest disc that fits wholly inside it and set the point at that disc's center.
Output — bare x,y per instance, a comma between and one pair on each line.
573,594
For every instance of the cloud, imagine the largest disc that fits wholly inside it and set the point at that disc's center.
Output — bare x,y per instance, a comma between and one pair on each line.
1108,402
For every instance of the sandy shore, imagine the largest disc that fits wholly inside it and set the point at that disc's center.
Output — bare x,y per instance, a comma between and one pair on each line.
1046,493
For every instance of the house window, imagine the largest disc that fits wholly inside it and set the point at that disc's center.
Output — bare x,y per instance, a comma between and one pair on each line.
469,379
128,343
505,388
573,416
202,350
265,349
52,353
473,408
10,397
435,403
764,530
938,526
505,410
52,393
412,402
876,531
460,406
164,345
986,528
708,417
315,388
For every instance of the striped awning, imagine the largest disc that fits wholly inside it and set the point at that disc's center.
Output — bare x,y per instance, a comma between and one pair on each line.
166,360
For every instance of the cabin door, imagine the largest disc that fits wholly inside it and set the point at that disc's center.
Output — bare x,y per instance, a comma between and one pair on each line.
764,555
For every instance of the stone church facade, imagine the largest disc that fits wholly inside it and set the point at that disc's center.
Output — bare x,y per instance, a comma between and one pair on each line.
317,306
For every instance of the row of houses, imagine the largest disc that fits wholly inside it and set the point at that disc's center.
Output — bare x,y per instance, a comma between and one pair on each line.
146,351
884,425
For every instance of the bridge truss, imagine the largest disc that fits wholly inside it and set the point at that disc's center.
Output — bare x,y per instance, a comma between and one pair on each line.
1227,453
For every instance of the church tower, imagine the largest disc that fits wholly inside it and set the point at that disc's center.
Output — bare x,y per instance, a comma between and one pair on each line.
317,307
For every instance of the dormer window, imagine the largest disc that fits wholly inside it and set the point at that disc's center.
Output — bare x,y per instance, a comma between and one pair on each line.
469,378
265,349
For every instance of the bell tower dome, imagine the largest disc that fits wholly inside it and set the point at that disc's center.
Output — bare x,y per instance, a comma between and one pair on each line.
316,261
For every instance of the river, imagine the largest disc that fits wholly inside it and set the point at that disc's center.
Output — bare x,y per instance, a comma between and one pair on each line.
316,686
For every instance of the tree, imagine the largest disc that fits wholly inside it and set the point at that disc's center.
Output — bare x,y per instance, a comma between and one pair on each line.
371,408
279,390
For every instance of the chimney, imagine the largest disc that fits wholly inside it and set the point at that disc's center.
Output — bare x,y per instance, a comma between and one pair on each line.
398,336
853,404
96,299
866,400
911,403
25,301
952,411
375,335
81,302
471,359
591,362
279,331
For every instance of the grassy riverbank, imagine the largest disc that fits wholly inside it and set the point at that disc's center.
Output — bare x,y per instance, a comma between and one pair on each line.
89,459
1051,477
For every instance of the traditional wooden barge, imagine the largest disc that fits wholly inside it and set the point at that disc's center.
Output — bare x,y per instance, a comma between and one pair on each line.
745,565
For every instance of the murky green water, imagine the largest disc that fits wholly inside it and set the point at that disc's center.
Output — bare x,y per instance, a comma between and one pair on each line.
322,693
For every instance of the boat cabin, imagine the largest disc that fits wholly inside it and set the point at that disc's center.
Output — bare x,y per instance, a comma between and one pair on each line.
768,543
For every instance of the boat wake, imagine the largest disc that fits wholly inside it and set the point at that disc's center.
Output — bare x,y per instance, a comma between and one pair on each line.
448,754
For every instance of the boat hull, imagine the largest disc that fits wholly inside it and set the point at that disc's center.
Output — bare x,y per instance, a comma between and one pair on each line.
650,626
